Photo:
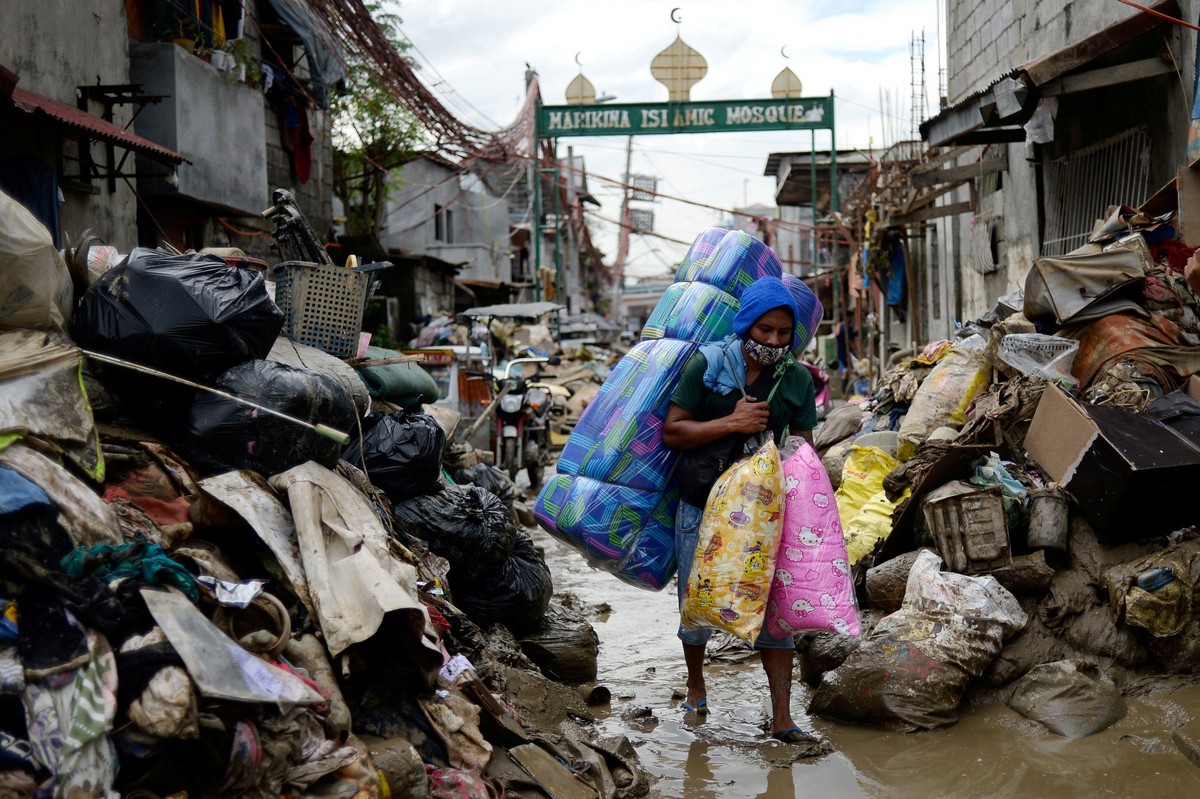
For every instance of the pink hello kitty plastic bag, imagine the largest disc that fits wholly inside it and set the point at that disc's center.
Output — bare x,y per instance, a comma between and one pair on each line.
812,588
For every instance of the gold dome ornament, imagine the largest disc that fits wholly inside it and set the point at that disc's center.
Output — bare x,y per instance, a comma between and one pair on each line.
679,68
581,91
786,85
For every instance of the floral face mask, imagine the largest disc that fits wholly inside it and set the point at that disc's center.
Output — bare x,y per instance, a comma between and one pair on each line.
764,354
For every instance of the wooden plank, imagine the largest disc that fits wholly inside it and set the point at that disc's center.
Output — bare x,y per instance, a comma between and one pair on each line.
960,173
1109,76
553,777
927,199
925,214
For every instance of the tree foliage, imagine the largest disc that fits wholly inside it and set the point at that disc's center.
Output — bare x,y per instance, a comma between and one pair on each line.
373,133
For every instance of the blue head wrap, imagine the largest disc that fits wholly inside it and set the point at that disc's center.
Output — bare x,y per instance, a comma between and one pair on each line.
764,294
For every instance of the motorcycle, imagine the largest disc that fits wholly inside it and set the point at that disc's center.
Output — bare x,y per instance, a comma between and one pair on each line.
522,439
824,395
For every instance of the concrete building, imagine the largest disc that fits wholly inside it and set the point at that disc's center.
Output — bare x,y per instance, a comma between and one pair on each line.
440,210
1056,111
151,141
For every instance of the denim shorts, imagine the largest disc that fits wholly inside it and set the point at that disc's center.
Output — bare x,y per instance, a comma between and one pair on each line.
687,535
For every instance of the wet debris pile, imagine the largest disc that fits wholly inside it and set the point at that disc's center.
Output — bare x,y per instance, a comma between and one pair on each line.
223,574
1019,502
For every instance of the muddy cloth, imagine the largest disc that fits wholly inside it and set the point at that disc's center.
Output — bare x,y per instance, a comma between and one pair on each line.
456,721
391,711
911,474
50,642
139,560
69,720
41,393
138,666
452,783
31,545
84,516
353,578
1167,293
149,488
187,315
1158,348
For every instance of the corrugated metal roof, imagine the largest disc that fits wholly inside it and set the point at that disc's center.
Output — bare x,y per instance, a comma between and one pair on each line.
1045,68
71,117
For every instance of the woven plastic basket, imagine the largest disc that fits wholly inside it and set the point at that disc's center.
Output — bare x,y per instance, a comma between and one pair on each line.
322,305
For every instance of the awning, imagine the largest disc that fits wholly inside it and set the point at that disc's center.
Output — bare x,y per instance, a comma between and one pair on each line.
996,114
516,310
66,116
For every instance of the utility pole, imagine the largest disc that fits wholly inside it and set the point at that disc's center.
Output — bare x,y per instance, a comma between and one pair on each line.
623,241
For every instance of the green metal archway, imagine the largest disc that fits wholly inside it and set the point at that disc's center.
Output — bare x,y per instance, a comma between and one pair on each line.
668,118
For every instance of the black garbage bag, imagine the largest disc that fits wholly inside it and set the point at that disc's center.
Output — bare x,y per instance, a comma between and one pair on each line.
564,646
469,527
221,435
491,478
401,452
189,315
515,595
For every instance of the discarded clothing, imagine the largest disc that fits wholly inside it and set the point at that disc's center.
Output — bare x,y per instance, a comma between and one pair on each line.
139,560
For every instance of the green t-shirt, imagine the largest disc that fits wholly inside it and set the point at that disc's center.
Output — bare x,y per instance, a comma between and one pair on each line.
793,406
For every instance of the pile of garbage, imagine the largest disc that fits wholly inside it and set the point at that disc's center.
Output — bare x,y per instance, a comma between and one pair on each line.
226,571
1017,501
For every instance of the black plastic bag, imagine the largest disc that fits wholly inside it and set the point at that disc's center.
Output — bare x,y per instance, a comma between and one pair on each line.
469,527
222,435
189,315
515,595
491,478
401,452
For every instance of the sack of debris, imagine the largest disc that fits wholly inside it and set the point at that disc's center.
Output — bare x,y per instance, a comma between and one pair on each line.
401,452
223,434
910,672
944,397
35,286
190,315
402,383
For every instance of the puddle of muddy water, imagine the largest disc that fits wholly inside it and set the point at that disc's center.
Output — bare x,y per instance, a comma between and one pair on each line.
990,752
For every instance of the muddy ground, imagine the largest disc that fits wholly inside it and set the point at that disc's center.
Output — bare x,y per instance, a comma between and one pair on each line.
992,751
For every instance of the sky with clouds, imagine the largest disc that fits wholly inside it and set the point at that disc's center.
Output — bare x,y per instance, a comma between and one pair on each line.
472,54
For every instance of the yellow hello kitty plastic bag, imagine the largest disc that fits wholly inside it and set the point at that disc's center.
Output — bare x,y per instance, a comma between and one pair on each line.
735,556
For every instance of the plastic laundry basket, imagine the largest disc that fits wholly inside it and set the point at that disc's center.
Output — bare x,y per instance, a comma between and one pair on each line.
322,305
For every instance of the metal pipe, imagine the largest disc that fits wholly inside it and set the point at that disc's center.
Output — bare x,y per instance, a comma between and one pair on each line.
320,429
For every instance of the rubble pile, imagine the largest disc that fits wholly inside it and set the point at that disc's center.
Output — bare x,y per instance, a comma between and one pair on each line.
1047,457
222,574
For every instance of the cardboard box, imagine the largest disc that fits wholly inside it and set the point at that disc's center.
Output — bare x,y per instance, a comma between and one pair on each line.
1132,476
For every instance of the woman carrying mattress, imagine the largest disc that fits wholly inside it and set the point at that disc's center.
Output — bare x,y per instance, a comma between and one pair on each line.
731,390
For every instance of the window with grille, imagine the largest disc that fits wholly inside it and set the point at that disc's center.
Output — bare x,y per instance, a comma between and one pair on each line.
1081,186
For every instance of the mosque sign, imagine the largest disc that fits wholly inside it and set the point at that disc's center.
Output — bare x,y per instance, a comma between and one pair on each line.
642,119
